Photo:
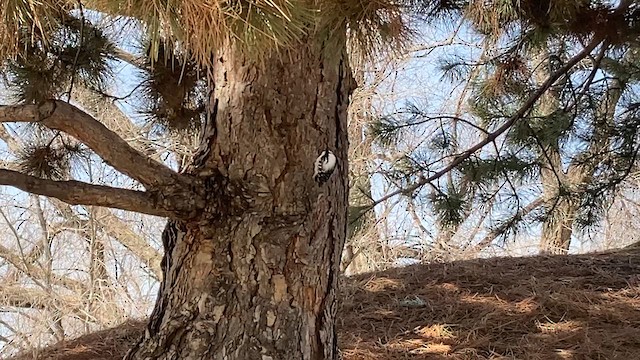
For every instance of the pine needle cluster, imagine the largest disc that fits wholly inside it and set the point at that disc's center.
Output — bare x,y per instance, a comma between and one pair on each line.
172,91
575,146
75,52
52,159
257,28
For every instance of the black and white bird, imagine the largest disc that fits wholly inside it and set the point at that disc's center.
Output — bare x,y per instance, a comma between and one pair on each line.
324,166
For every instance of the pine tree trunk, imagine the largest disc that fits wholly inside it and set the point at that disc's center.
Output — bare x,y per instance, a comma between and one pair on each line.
560,210
257,278
558,228
558,225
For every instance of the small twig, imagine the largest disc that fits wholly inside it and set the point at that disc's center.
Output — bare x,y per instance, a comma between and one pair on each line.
120,98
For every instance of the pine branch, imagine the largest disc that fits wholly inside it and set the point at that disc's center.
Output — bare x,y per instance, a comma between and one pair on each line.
58,115
79,193
522,112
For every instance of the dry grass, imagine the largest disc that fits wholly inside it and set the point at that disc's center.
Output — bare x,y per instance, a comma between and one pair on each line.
110,344
562,307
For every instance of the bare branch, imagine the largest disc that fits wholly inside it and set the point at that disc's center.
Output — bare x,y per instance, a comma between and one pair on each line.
79,193
18,296
118,229
58,115
36,273
115,228
11,142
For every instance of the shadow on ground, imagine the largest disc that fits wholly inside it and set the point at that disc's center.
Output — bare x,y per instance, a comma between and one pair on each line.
561,307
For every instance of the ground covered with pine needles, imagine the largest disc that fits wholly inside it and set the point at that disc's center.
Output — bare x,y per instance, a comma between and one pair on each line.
561,307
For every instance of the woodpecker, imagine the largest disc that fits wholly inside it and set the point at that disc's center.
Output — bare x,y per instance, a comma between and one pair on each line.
324,166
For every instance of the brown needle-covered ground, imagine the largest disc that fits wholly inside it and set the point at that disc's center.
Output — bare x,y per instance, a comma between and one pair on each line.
561,307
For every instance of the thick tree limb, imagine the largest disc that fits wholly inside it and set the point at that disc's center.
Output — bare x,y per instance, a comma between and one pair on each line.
59,115
79,193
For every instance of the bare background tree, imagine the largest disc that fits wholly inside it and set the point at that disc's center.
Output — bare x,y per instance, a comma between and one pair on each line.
69,270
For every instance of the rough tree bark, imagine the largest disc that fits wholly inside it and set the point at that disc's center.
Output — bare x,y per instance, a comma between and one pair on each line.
558,225
256,278
558,228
